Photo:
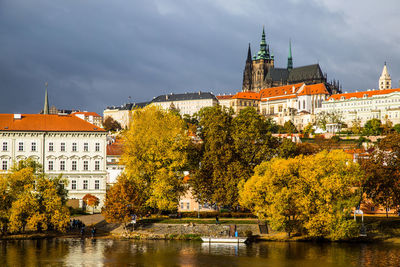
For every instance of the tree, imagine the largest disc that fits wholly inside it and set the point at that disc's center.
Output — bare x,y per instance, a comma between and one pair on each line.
356,126
310,194
382,183
251,136
309,130
373,127
91,200
123,199
324,118
110,124
289,127
155,155
215,181
35,200
396,127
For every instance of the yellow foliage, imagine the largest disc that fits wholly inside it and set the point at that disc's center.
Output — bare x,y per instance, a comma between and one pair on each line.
306,193
155,155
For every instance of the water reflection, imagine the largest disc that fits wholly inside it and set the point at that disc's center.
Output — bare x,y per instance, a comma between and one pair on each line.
103,252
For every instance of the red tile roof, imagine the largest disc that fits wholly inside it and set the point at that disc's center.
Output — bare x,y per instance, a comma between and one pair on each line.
314,89
247,95
287,92
223,97
46,123
94,114
361,94
280,91
115,149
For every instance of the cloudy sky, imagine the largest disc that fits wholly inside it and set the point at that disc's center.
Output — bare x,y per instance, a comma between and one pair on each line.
96,53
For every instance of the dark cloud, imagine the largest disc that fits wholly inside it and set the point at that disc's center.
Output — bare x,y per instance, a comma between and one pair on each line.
96,53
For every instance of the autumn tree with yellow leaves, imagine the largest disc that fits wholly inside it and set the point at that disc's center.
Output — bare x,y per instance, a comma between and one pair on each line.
32,200
155,155
311,195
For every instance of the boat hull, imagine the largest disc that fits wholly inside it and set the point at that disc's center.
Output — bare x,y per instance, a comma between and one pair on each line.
224,239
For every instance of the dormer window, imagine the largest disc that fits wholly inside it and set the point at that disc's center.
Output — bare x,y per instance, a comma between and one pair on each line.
342,98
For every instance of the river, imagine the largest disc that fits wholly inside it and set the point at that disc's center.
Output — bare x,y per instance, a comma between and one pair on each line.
108,252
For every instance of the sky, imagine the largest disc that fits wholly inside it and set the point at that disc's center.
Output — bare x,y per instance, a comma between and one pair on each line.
99,53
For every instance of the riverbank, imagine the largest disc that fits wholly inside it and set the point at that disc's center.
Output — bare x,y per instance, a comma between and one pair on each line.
379,229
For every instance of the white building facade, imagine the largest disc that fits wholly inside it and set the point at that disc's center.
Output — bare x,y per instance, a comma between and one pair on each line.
366,105
188,103
63,144
297,102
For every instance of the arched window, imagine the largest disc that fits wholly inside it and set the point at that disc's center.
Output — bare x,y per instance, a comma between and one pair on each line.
304,104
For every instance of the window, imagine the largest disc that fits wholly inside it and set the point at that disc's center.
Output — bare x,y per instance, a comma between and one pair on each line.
86,147
74,147
372,208
4,165
188,205
51,146
97,165
85,165
74,165
5,146
62,148
181,205
62,165
96,184
85,184
21,146
97,147
33,146
51,165
73,185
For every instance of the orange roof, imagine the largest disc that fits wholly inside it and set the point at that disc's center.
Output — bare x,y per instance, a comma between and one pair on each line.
361,94
46,123
314,89
114,149
286,92
280,91
222,97
247,95
94,114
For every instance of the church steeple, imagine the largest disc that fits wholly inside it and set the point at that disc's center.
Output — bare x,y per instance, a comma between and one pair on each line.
385,82
248,72
249,54
46,102
264,49
290,59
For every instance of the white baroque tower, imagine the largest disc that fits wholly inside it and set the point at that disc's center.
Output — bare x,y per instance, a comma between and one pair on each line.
385,82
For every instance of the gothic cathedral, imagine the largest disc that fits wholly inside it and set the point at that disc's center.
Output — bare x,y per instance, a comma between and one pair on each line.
260,71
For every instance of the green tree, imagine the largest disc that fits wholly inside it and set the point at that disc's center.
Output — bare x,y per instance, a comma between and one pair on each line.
396,127
356,126
307,194
155,155
215,180
373,127
110,124
289,127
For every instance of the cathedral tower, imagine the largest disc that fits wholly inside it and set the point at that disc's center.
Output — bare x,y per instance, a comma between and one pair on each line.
385,82
262,62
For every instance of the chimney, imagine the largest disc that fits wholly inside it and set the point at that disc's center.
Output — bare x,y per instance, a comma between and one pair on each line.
17,116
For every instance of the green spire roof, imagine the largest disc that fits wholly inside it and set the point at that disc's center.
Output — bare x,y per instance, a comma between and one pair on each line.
264,52
46,102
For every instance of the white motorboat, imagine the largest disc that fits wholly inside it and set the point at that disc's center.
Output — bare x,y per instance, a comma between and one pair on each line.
224,239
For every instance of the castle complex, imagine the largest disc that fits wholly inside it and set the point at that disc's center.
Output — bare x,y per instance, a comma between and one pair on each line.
260,72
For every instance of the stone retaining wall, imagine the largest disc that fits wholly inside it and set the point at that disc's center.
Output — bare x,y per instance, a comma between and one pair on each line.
198,229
